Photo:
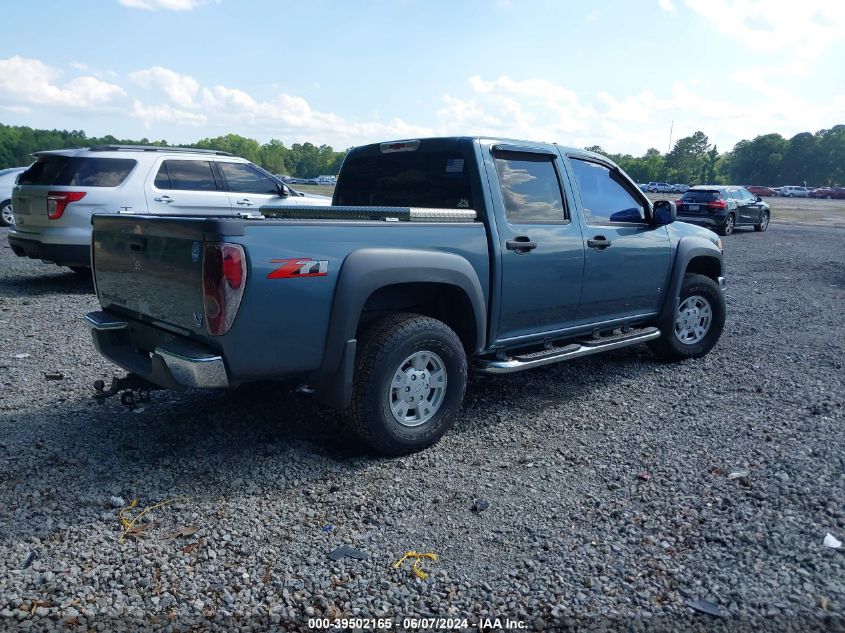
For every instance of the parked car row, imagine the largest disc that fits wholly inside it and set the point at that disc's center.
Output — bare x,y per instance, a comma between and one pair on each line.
663,187
56,196
787,191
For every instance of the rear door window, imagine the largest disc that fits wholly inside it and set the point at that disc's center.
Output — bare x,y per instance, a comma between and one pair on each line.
186,175
78,171
530,188
246,179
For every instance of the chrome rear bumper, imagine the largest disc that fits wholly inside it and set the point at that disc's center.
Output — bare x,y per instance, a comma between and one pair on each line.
174,363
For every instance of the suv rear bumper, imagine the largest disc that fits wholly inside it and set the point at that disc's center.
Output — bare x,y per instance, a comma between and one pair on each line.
61,254
703,220
173,362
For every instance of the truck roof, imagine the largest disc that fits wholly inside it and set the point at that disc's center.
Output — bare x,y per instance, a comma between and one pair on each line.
444,142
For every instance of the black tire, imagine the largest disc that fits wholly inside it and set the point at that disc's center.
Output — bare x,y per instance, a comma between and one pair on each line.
763,224
669,346
6,218
728,227
383,348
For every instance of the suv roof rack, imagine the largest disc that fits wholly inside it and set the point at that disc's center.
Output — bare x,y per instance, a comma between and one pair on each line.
156,148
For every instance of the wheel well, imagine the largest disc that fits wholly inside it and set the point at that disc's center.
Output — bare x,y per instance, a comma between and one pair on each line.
707,266
444,302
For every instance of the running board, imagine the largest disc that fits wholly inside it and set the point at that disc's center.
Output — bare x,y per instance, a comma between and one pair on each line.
586,347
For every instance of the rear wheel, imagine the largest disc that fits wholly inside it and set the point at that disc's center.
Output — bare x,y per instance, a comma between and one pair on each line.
698,322
409,382
6,217
728,227
763,224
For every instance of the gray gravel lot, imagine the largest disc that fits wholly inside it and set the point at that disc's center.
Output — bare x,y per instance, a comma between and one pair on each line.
608,481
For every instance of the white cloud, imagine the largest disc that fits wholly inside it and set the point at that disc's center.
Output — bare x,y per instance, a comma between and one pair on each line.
30,81
170,5
541,110
165,114
187,102
667,5
805,29
181,89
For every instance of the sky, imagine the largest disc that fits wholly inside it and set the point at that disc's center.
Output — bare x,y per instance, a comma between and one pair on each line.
622,74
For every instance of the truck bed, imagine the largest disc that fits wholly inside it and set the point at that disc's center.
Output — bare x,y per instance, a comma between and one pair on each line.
148,269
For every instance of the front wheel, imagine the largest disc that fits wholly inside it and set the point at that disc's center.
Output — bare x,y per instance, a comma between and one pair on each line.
6,216
763,224
409,382
698,322
728,227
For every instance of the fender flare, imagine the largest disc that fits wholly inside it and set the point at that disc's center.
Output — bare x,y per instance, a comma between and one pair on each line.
689,247
367,270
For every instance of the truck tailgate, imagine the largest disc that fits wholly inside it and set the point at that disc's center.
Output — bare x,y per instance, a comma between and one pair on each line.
151,269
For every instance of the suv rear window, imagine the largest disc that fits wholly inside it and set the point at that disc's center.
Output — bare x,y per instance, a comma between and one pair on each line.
78,171
700,196
438,180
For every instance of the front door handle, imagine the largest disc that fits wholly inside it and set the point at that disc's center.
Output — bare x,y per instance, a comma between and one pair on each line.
599,242
521,244
245,202
164,199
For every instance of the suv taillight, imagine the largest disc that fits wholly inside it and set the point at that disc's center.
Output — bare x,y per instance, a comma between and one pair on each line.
58,200
223,282
679,202
717,204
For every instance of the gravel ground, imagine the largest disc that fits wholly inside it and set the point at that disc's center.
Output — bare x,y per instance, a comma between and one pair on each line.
611,501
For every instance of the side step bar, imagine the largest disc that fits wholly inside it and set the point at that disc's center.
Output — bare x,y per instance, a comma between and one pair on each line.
586,347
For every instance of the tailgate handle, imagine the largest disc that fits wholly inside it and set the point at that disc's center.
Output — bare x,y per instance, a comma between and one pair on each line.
138,244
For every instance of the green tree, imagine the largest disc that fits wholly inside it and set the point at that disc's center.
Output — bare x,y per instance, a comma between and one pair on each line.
759,161
801,161
687,162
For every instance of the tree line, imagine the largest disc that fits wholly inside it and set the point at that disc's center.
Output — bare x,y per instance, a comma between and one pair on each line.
303,160
769,159
817,159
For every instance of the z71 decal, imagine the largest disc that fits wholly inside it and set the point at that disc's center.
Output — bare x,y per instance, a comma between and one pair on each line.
299,267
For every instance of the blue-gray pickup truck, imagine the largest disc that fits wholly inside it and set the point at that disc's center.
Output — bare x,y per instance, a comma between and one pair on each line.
437,257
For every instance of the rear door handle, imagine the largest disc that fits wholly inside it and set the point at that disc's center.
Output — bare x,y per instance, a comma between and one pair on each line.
245,202
599,242
521,244
164,199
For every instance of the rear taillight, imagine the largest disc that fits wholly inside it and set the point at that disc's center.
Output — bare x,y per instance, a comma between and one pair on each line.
58,200
717,204
223,281
679,202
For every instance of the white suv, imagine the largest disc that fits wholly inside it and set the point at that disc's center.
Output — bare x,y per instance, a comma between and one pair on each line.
793,191
55,198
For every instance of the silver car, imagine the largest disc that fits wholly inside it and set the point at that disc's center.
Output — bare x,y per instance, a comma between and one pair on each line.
7,183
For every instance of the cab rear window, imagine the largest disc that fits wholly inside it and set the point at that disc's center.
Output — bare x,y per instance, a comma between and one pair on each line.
419,179
77,171
701,196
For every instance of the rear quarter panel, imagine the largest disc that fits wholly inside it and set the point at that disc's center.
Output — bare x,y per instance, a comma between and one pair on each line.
283,322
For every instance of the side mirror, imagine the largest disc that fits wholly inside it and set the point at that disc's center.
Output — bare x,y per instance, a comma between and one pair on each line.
759,199
664,212
284,192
